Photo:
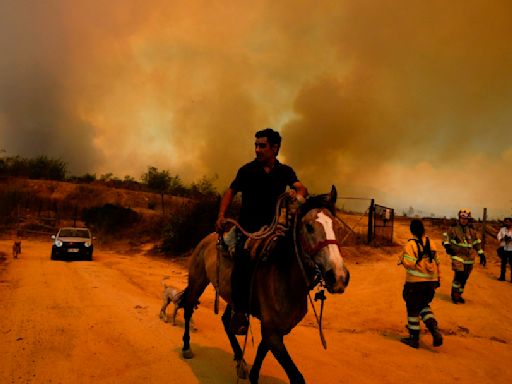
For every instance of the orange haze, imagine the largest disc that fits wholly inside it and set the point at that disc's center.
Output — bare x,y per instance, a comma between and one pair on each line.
404,101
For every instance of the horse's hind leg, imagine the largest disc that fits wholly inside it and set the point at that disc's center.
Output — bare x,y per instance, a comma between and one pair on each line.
258,361
188,301
242,369
276,345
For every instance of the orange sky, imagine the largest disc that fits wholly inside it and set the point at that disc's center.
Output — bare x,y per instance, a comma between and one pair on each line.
404,101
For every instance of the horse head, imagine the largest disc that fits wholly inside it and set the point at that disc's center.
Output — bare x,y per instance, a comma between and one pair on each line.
318,236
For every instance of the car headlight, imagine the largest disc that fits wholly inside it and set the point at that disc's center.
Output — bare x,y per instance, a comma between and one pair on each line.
58,243
87,244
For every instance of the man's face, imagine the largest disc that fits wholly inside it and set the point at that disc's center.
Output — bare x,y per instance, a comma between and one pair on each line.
264,152
463,220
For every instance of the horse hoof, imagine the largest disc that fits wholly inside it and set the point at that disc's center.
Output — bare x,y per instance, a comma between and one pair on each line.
187,354
242,370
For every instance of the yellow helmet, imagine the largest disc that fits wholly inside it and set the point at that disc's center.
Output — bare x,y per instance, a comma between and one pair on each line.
465,213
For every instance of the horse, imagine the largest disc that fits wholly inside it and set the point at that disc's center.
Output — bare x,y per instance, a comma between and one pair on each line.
280,285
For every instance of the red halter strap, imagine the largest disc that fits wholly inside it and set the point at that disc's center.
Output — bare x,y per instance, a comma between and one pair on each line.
312,251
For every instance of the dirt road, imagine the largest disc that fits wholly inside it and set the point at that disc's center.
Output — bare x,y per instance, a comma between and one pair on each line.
83,322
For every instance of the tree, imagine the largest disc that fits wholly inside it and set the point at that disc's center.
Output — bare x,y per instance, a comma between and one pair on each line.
158,181
204,188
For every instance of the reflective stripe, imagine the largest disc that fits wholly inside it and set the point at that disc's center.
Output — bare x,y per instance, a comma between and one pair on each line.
419,274
411,258
477,241
461,260
414,327
413,319
426,309
480,252
429,316
455,284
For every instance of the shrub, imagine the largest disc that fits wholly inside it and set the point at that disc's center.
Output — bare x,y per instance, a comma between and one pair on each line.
109,218
188,224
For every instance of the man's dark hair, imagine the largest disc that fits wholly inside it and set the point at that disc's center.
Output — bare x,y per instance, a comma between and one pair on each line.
273,137
417,228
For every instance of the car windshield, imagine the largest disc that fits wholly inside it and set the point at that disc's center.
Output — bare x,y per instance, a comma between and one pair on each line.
74,233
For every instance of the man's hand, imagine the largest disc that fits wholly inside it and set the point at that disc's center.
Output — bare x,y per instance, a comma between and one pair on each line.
296,196
449,249
483,260
220,224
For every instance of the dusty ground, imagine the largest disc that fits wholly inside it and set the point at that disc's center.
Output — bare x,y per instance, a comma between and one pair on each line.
83,322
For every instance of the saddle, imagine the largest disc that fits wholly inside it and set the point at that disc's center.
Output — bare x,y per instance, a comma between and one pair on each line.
258,249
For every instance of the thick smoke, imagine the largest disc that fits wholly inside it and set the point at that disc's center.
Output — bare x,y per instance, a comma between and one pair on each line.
404,101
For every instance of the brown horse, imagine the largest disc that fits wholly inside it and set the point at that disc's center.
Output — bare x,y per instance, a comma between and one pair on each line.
281,282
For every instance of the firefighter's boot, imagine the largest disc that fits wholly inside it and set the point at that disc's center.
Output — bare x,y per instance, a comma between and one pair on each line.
437,338
456,296
413,340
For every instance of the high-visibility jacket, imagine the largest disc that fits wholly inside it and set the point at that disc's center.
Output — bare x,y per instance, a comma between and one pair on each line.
460,241
419,270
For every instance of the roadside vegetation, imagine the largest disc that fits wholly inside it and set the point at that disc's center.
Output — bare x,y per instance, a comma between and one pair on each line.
38,194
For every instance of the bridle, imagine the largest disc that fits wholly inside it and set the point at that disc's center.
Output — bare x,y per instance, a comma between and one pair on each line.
312,251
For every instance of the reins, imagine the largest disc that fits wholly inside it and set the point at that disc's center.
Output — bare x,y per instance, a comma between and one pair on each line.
320,295
266,229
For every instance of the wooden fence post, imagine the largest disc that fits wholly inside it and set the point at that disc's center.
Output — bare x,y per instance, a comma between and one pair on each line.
484,221
371,212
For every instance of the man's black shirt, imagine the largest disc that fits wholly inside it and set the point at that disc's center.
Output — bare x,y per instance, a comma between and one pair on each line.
260,191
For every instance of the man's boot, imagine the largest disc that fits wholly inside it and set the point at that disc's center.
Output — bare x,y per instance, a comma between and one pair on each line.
437,338
456,295
502,271
413,340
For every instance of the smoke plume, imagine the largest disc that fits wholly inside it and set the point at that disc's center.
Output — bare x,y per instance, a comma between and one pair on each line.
403,101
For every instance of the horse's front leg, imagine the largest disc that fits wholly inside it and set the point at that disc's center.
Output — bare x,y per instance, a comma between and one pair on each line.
254,375
242,369
186,351
276,345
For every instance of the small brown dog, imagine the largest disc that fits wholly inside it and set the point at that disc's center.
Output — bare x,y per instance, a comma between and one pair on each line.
16,249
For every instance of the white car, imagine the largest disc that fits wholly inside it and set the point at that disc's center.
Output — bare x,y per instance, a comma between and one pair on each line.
72,243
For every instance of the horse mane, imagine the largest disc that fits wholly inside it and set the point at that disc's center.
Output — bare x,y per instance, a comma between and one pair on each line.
317,201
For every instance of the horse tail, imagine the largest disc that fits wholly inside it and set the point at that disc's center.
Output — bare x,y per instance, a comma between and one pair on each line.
182,298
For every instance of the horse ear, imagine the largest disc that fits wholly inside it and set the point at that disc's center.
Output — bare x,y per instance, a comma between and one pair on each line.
334,195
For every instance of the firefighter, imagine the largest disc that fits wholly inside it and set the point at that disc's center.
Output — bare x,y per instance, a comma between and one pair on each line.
460,240
422,278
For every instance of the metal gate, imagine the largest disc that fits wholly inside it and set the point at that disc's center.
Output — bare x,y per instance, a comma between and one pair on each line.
380,224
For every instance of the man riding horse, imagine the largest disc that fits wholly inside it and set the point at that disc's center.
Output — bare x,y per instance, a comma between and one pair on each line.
260,182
